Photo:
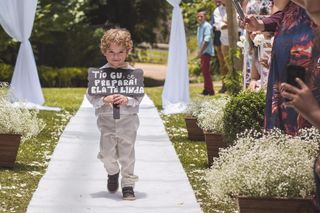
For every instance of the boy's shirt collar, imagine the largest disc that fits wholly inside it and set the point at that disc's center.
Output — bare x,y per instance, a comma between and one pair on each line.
126,65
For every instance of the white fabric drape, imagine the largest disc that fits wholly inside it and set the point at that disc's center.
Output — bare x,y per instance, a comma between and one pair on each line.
175,96
16,18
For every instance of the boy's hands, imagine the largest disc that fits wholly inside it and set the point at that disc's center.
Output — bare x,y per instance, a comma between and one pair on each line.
108,100
115,99
120,99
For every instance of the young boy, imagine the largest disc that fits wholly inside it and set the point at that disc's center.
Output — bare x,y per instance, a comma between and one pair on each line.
117,135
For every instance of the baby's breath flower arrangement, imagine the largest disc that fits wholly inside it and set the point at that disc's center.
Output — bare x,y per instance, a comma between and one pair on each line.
269,165
194,107
15,120
211,114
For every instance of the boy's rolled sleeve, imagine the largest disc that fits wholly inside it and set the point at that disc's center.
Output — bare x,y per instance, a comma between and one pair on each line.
207,34
134,101
96,102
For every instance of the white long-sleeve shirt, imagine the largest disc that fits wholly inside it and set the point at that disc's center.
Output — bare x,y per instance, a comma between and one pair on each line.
220,18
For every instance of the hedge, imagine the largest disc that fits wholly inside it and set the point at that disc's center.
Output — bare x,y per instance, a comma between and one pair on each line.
62,77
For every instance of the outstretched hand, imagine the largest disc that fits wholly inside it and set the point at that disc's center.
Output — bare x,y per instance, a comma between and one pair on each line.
253,24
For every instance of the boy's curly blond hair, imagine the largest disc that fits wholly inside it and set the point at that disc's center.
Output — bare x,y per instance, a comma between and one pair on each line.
117,36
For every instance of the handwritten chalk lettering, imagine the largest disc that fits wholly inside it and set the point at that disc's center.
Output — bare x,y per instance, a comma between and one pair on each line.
109,81
115,75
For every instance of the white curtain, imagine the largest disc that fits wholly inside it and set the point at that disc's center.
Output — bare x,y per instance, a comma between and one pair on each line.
16,18
175,96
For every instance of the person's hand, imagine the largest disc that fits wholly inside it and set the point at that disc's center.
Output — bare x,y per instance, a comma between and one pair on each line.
252,85
120,99
108,100
223,27
253,24
199,54
264,61
301,98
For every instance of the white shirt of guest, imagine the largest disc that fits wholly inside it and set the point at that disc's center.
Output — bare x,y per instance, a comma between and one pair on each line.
220,18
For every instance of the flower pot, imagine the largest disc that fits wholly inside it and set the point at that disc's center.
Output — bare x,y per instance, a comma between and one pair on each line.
214,142
9,145
274,205
195,133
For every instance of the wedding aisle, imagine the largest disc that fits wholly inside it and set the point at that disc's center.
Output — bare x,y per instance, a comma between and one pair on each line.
75,181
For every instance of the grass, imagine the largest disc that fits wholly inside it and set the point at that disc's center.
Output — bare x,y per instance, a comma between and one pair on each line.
17,185
153,56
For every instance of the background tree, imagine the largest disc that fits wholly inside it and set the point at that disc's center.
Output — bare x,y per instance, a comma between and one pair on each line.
67,32
145,19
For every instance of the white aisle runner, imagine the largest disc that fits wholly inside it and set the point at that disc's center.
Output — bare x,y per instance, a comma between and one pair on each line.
75,181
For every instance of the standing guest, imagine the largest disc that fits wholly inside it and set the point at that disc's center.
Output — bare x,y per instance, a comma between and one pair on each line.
294,33
205,50
220,23
305,99
217,43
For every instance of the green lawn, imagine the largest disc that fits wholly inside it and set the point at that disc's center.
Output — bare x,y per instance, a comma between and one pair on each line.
17,185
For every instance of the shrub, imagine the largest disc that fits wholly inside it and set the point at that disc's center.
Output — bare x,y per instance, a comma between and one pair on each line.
6,72
194,68
48,76
244,111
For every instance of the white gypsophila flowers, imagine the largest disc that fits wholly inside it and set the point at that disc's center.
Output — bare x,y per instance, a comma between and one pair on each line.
241,42
274,165
211,113
194,107
15,120
258,40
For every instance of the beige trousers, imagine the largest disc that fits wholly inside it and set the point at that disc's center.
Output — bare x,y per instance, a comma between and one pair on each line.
117,142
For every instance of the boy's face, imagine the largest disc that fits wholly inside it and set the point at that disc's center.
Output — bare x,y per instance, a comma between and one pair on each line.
201,17
116,55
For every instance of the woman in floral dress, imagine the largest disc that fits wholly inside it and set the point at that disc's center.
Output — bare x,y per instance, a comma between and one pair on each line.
292,45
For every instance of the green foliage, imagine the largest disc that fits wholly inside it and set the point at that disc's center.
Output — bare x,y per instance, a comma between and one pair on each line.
244,111
64,77
194,67
233,80
67,33
153,56
189,12
143,18
6,72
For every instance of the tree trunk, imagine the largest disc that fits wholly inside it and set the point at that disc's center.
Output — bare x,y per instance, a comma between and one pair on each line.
232,24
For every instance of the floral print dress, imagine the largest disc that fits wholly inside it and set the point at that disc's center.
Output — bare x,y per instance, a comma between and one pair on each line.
292,45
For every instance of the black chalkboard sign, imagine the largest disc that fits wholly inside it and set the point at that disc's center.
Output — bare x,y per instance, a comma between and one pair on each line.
109,81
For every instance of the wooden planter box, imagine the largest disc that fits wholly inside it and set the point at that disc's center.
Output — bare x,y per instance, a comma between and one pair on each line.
274,205
9,145
214,142
195,133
